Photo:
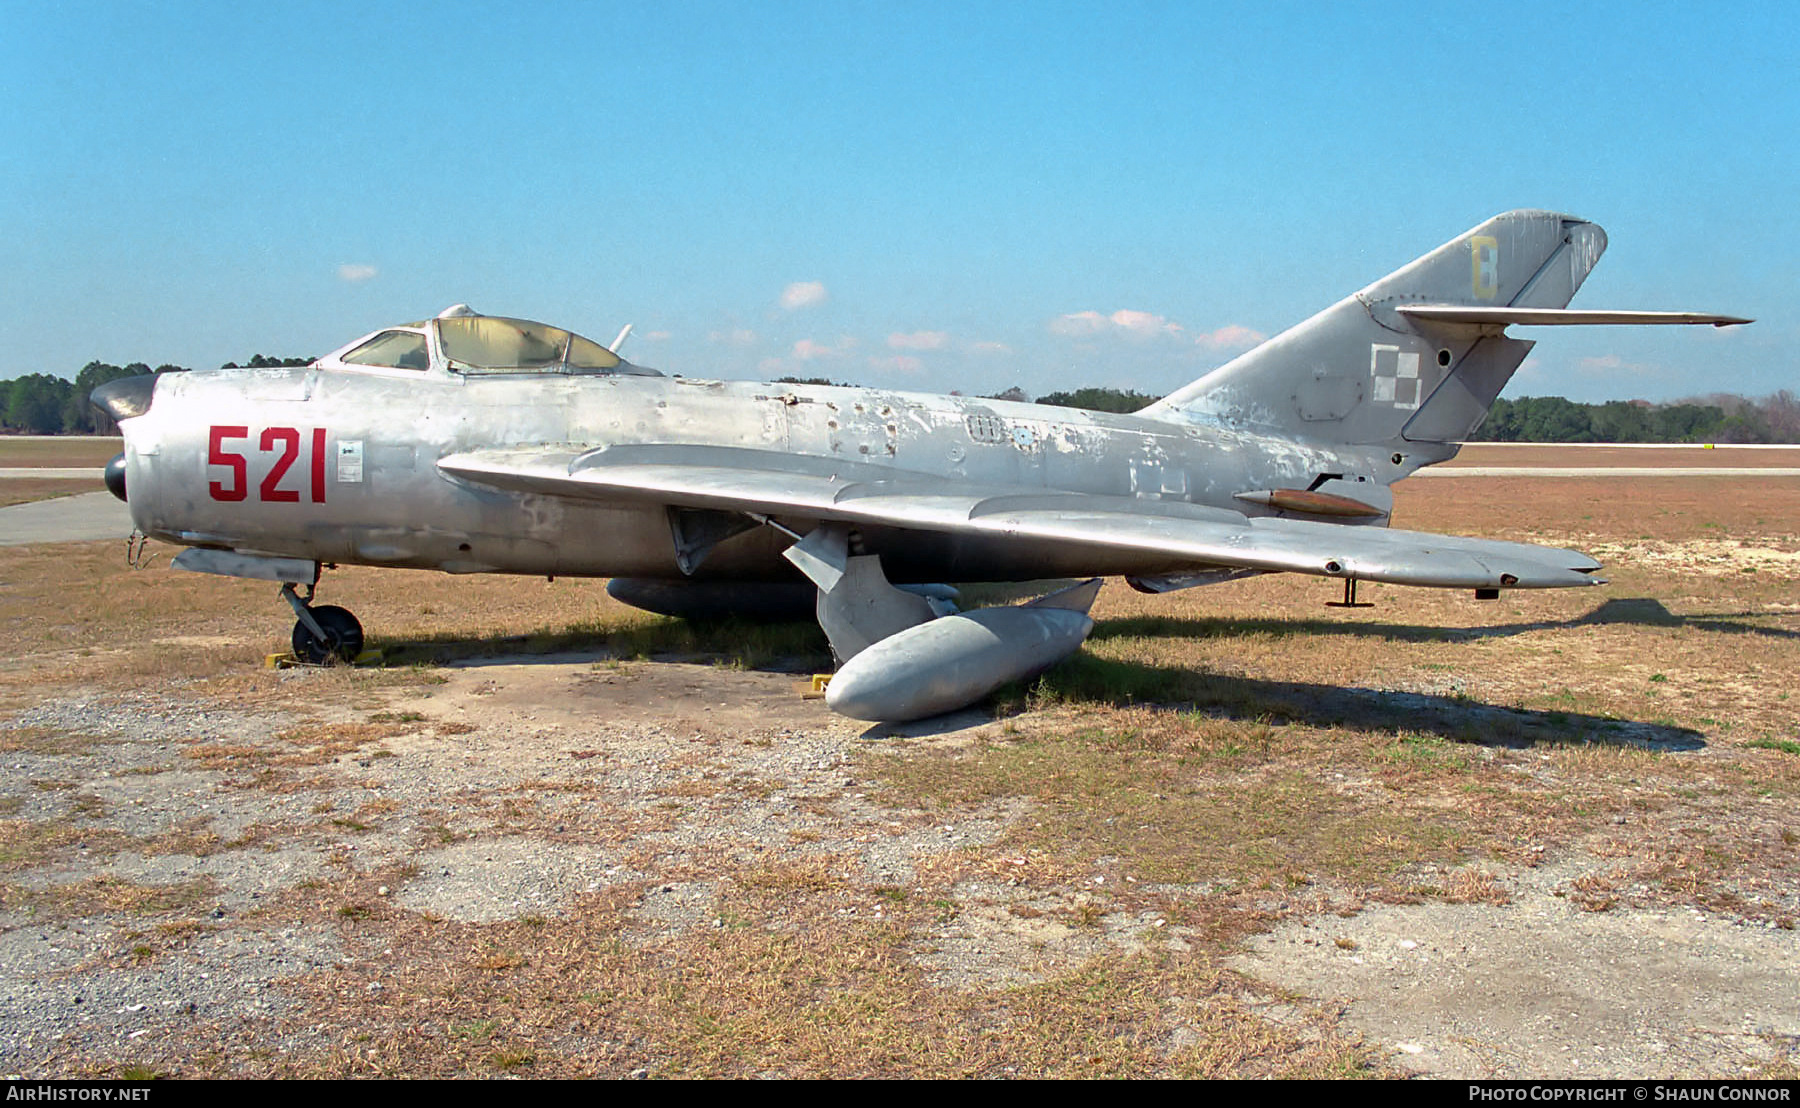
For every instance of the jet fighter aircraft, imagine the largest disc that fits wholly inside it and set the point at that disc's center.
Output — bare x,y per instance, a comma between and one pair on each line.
469,443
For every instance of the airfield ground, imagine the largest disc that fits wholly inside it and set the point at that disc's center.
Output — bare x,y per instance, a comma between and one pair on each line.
44,467
1242,834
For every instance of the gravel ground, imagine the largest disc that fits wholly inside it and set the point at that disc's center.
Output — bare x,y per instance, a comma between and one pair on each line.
1541,986
163,909
501,794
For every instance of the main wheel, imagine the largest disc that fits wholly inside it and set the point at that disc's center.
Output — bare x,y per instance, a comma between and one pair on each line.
343,636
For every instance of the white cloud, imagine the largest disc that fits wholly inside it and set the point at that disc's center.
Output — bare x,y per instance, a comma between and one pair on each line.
1126,321
1232,336
656,336
803,294
356,274
737,336
918,340
1078,324
1143,323
807,350
900,363
991,348
1612,364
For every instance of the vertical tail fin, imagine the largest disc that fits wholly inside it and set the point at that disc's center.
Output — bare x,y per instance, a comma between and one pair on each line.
1361,372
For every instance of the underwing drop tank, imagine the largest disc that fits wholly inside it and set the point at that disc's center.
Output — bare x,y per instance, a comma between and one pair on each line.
954,661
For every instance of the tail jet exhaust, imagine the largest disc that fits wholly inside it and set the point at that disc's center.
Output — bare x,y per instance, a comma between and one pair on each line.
468,443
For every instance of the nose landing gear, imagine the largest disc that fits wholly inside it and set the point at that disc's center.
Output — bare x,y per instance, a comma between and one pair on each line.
323,634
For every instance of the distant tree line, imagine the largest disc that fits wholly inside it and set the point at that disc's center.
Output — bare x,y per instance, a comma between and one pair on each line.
1121,401
1718,417
45,404
261,361
813,381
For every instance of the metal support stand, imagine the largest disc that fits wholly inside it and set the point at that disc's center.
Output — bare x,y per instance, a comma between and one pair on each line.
857,607
1349,600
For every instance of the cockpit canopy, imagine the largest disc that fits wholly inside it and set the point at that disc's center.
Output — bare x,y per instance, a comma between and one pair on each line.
462,341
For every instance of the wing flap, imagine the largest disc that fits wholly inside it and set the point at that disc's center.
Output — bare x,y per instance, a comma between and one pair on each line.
1319,549
769,483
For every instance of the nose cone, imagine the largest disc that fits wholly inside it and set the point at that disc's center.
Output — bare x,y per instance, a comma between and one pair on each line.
115,476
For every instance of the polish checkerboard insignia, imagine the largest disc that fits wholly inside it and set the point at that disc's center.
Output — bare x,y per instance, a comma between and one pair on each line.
1396,374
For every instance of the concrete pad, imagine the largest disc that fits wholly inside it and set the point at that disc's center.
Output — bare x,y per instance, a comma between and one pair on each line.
92,515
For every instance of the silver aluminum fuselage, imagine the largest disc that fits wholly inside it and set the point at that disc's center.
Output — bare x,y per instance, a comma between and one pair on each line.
338,465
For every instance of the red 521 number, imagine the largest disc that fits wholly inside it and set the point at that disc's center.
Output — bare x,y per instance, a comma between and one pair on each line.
284,444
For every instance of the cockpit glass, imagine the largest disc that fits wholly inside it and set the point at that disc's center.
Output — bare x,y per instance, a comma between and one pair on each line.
497,344
588,354
392,349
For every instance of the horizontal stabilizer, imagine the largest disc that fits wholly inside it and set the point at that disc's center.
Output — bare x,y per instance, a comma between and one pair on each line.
1554,317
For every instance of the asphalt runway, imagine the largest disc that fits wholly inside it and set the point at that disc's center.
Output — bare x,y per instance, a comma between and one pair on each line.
91,515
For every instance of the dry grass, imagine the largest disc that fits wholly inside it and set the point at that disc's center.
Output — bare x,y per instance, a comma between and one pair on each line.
46,740
1247,811
1226,736
24,490
1522,454
79,615
106,895
784,988
58,451
27,844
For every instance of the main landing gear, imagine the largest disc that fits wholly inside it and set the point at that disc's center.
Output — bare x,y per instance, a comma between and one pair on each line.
323,634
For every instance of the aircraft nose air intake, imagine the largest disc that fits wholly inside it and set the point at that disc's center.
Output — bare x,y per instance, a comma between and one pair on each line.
124,398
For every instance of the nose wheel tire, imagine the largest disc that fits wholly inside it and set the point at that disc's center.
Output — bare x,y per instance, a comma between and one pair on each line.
343,636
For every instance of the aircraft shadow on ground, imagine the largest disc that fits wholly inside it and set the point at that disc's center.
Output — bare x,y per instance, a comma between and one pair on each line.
1638,611
1453,716
1086,677
779,648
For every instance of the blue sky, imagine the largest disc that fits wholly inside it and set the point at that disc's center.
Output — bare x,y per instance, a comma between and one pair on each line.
917,195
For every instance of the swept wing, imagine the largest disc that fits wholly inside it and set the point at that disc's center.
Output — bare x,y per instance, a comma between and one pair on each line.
767,483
